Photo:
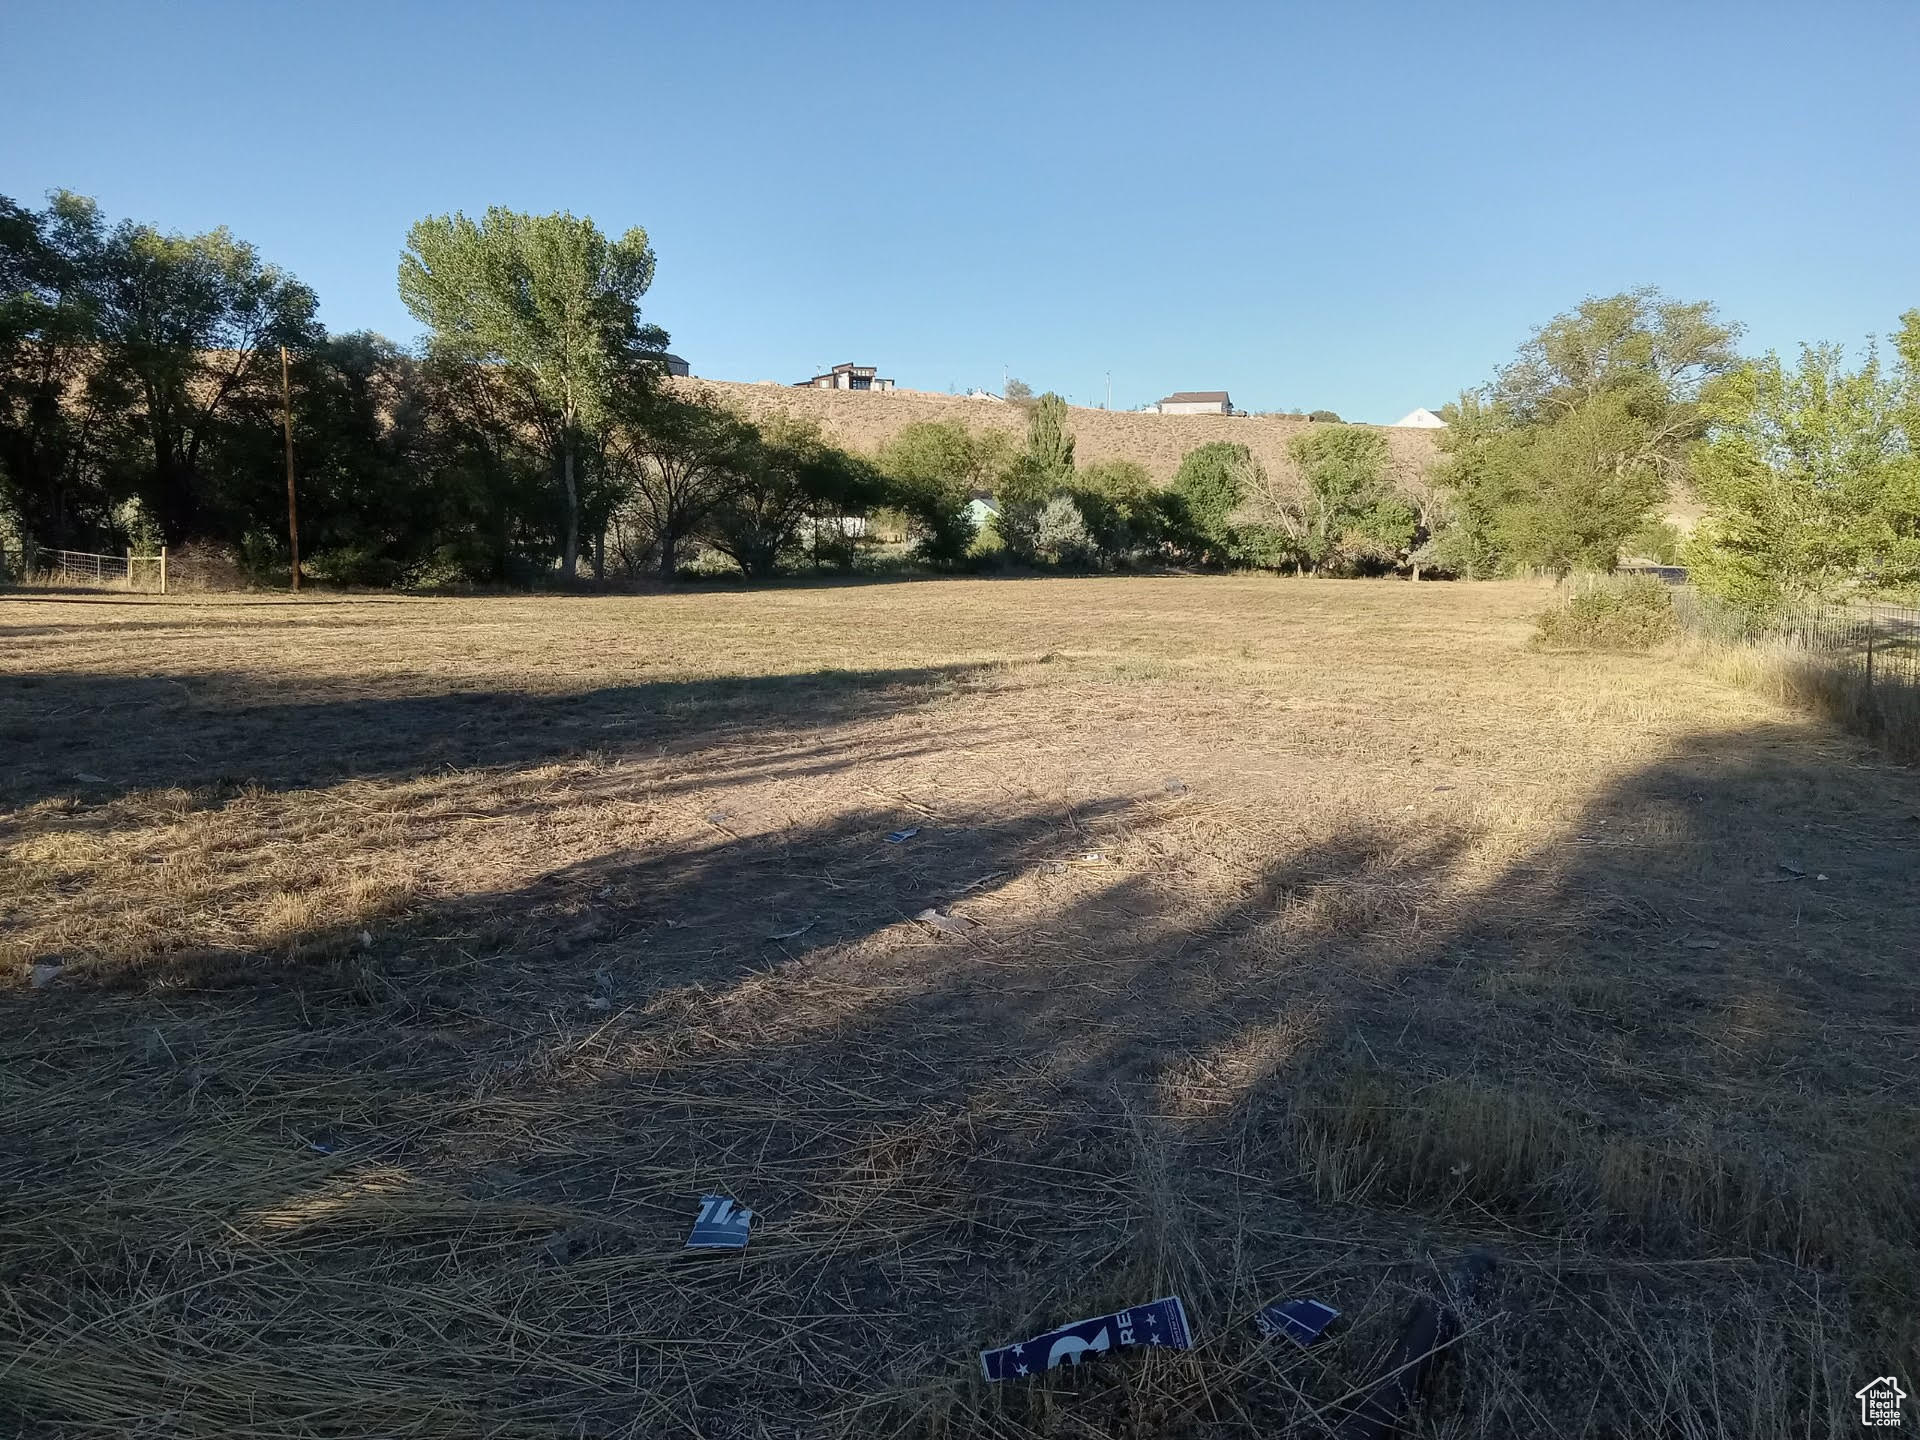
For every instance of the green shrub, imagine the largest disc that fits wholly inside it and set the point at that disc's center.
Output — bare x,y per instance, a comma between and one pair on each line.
1634,613
1061,537
1267,547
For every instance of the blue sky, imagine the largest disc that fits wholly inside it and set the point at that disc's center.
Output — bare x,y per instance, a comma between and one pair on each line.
1362,207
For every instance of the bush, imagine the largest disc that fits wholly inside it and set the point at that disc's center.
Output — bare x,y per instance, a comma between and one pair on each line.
988,550
1267,547
1060,535
365,566
207,565
1625,614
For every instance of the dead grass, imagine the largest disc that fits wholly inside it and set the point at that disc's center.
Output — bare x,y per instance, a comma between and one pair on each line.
425,960
1884,708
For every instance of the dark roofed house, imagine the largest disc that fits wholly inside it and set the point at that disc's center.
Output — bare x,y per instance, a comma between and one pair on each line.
847,377
1196,402
675,365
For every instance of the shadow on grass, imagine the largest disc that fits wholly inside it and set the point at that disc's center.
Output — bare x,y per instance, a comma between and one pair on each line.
442,1186
92,737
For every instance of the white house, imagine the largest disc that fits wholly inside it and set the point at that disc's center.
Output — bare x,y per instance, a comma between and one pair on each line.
1419,420
981,508
1196,402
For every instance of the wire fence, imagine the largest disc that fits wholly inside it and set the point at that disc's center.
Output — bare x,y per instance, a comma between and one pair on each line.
126,571
1879,642
85,567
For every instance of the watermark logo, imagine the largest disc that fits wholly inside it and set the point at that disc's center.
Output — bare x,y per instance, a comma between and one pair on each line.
1880,1402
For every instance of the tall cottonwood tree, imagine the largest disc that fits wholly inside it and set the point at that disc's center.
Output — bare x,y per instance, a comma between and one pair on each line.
551,301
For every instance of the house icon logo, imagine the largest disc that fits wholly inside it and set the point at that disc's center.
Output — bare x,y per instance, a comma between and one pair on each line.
1880,1402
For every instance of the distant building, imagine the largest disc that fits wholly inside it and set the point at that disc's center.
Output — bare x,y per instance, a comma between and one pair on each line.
846,377
977,394
1196,402
982,509
677,366
1419,420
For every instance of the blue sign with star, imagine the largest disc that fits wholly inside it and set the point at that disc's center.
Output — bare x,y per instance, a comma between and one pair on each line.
1163,1323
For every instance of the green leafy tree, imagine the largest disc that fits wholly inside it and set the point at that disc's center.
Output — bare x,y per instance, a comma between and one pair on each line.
1563,459
933,468
497,516
1123,508
1657,352
1348,517
790,480
1049,441
551,301
1213,481
1812,479
1040,472
50,481
1580,488
369,514
1019,392
679,461
190,326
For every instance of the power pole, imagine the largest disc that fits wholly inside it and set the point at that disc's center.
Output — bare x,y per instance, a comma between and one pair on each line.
1109,389
293,504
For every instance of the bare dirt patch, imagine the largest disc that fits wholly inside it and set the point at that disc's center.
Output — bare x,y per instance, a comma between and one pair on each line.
423,961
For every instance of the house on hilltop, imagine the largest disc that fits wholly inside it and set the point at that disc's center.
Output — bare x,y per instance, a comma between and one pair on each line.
675,365
1196,402
1419,420
846,377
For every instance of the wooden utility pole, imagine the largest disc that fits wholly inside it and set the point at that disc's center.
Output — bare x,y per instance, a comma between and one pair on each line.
293,503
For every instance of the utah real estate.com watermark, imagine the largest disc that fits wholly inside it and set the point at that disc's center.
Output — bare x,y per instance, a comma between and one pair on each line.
1880,1402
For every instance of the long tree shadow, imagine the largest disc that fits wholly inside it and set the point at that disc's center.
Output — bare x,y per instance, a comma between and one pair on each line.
442,1185
92,737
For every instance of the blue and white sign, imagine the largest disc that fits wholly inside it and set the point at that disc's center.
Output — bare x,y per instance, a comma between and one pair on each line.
719,1225
1163,1322
1301,1320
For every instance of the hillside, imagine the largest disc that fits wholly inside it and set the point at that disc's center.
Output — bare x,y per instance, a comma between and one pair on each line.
864,420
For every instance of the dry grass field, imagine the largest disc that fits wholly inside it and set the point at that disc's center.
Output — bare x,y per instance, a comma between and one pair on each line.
424,960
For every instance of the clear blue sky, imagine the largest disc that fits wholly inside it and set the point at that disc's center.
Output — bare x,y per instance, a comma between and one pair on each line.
1356,206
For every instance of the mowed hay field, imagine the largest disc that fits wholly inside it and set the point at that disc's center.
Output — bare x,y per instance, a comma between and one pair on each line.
425,961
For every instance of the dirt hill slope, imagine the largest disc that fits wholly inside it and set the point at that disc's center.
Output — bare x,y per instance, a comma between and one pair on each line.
865,420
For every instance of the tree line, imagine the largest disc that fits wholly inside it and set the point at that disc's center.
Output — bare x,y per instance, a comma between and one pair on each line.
529,433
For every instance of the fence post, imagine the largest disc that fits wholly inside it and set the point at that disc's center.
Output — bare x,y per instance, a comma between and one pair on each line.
129,568
1869,649
163,569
